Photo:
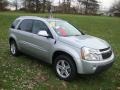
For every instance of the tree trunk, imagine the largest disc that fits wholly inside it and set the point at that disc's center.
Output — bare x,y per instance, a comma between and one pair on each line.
44,2
37,5
86,7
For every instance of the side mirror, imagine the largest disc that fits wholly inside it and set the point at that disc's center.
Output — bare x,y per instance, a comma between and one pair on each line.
12,26
43,33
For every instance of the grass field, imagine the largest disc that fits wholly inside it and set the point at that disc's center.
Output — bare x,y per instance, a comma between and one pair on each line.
23,72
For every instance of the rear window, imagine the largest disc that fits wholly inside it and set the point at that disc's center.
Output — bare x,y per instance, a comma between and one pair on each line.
14,24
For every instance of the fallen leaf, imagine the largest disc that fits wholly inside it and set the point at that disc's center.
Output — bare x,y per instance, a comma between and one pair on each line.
64,84
118,88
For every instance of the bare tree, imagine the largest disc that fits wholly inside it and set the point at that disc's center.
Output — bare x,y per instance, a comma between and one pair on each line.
15,3
24,3
32,5
68,6
44,6
115,7
37,5
65,5
3,4
48,6
90,6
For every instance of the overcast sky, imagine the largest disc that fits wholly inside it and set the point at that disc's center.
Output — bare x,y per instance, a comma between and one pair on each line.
105,4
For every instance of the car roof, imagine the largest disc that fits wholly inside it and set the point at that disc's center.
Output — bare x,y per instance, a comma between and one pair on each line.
40,18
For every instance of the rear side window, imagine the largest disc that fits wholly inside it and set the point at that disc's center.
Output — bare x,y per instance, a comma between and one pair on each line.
26,25
14,24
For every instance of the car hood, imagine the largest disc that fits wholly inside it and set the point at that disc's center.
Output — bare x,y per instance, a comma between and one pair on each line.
85,40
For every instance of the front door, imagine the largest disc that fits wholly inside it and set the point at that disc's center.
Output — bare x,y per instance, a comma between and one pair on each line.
43,46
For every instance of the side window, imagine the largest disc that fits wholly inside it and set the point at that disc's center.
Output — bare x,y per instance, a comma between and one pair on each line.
26,25
14,24
39,25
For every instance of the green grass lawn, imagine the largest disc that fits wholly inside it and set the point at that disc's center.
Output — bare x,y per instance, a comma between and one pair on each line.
24,72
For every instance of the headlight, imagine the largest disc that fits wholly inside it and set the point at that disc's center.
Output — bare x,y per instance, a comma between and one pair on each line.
90,54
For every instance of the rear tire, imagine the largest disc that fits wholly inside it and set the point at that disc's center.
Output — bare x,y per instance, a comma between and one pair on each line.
65,67
13,48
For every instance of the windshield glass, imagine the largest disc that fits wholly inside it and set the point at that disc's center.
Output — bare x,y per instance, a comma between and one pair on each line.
63,28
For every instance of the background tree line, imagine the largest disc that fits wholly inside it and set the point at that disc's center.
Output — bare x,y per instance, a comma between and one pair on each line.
64,6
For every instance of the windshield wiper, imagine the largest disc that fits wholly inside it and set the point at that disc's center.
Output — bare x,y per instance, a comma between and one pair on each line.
73,35
77,35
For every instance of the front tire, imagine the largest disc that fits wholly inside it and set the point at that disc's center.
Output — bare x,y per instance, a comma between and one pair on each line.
13,48
65,68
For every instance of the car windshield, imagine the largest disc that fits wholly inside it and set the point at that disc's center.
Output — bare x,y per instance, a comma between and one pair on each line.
63,28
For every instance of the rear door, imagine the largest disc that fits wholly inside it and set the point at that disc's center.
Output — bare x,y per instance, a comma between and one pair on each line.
24,35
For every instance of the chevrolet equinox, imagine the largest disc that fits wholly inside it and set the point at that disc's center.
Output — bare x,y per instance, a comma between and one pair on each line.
59,43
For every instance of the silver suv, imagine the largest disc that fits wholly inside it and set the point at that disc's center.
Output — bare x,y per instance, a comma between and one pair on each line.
57,42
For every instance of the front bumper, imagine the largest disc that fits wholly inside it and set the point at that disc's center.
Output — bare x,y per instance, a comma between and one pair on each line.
91,67
103,67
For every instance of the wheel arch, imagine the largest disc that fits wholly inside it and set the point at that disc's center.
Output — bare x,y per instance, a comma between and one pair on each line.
57,53
11,39
14,39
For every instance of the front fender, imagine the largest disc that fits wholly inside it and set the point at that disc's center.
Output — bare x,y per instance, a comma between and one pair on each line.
74,52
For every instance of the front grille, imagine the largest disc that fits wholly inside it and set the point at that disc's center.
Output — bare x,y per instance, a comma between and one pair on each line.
105,49
107,54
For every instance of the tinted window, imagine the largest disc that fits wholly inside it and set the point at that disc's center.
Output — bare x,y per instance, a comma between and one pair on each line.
26,25
14,24
39,25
